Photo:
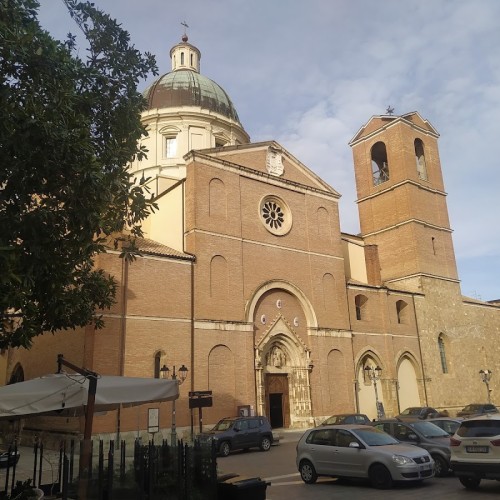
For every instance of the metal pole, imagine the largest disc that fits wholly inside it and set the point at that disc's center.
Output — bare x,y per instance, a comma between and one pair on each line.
379,416
173,438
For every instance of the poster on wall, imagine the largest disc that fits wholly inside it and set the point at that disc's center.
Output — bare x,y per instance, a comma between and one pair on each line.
153,420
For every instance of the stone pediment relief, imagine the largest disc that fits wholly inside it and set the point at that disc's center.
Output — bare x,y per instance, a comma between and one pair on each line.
280,326
169,129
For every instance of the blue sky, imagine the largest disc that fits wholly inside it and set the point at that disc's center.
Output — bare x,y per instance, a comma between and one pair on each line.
309,74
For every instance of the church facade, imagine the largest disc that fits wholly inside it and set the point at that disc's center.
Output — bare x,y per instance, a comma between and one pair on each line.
246,278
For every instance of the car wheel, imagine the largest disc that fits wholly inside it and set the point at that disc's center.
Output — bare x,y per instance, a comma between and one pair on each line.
265,444
380,477
440,466
224,449
471,483
307,472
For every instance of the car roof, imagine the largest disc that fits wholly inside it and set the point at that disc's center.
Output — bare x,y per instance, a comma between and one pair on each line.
345,414
347,427
486,416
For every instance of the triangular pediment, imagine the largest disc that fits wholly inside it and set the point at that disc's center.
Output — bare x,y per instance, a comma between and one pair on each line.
278,328
272,160
380,122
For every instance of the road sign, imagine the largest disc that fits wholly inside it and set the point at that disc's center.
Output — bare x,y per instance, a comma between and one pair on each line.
205,402
198,394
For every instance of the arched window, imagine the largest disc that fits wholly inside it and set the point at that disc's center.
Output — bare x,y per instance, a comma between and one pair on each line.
182,58
420,159
217,203
380,167
17,375
157,364
360,303
442,353
402,311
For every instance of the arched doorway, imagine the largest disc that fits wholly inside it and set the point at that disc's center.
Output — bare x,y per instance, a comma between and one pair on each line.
408,394
369,386
282,316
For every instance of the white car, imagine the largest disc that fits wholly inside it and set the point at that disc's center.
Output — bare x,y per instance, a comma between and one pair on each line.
475,450
360,451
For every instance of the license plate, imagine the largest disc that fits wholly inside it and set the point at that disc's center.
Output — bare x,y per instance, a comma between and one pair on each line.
425,467
477,449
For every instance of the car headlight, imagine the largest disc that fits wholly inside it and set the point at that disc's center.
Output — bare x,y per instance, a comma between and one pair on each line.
402,460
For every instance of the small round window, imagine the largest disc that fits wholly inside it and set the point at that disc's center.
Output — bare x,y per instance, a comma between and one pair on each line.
275,215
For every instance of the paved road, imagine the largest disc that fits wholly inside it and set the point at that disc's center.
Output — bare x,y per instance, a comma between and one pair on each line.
278,467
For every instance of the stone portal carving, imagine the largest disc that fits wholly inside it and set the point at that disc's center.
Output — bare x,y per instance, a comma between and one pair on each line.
276,357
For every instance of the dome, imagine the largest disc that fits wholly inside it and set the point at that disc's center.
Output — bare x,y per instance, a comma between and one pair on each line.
184,87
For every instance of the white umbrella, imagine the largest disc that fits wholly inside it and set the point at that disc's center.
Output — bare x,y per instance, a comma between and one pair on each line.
65,391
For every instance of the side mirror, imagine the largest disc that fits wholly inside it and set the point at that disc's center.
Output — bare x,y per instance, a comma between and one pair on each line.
412,437
354,444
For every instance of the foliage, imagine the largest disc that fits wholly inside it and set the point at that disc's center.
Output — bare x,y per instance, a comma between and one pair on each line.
69,126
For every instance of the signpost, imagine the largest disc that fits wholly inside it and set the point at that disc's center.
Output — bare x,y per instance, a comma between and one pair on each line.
200,399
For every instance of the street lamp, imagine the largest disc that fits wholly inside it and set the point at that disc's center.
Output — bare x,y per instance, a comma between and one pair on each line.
486,377
373,374
165,374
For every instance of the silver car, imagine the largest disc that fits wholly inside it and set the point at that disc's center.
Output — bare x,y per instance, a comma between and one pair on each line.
360,451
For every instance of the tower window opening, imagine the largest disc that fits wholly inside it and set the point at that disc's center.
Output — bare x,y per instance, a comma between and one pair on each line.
182,58
191,59
420,160
380,166
433,245
442,354
157,364
360,303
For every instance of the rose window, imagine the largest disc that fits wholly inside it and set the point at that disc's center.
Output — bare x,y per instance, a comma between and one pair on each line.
275,215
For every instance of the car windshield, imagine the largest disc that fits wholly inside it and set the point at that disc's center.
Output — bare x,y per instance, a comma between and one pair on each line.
429,430
223,425
472,408
411,411
374,437
334,419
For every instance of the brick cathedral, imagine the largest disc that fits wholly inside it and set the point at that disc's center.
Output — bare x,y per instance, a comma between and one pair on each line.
247,279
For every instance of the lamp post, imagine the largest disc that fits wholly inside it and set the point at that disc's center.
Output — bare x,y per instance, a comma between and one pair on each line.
486,377
165,374
374,375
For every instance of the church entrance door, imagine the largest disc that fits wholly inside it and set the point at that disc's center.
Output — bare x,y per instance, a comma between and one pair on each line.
277,399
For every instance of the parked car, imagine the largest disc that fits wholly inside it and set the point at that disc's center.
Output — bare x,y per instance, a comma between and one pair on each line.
9,459
424,434
448,424
477,409
421,412
240,433
347,418
360,451
475,450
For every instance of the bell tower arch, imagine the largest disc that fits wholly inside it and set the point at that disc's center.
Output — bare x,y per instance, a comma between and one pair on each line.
401,198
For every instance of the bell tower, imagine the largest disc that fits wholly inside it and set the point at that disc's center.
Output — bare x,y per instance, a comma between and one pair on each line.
401,198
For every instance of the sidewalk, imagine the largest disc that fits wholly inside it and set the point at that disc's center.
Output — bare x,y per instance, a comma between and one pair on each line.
288,435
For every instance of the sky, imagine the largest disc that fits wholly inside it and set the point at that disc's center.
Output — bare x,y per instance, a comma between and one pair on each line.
309,74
